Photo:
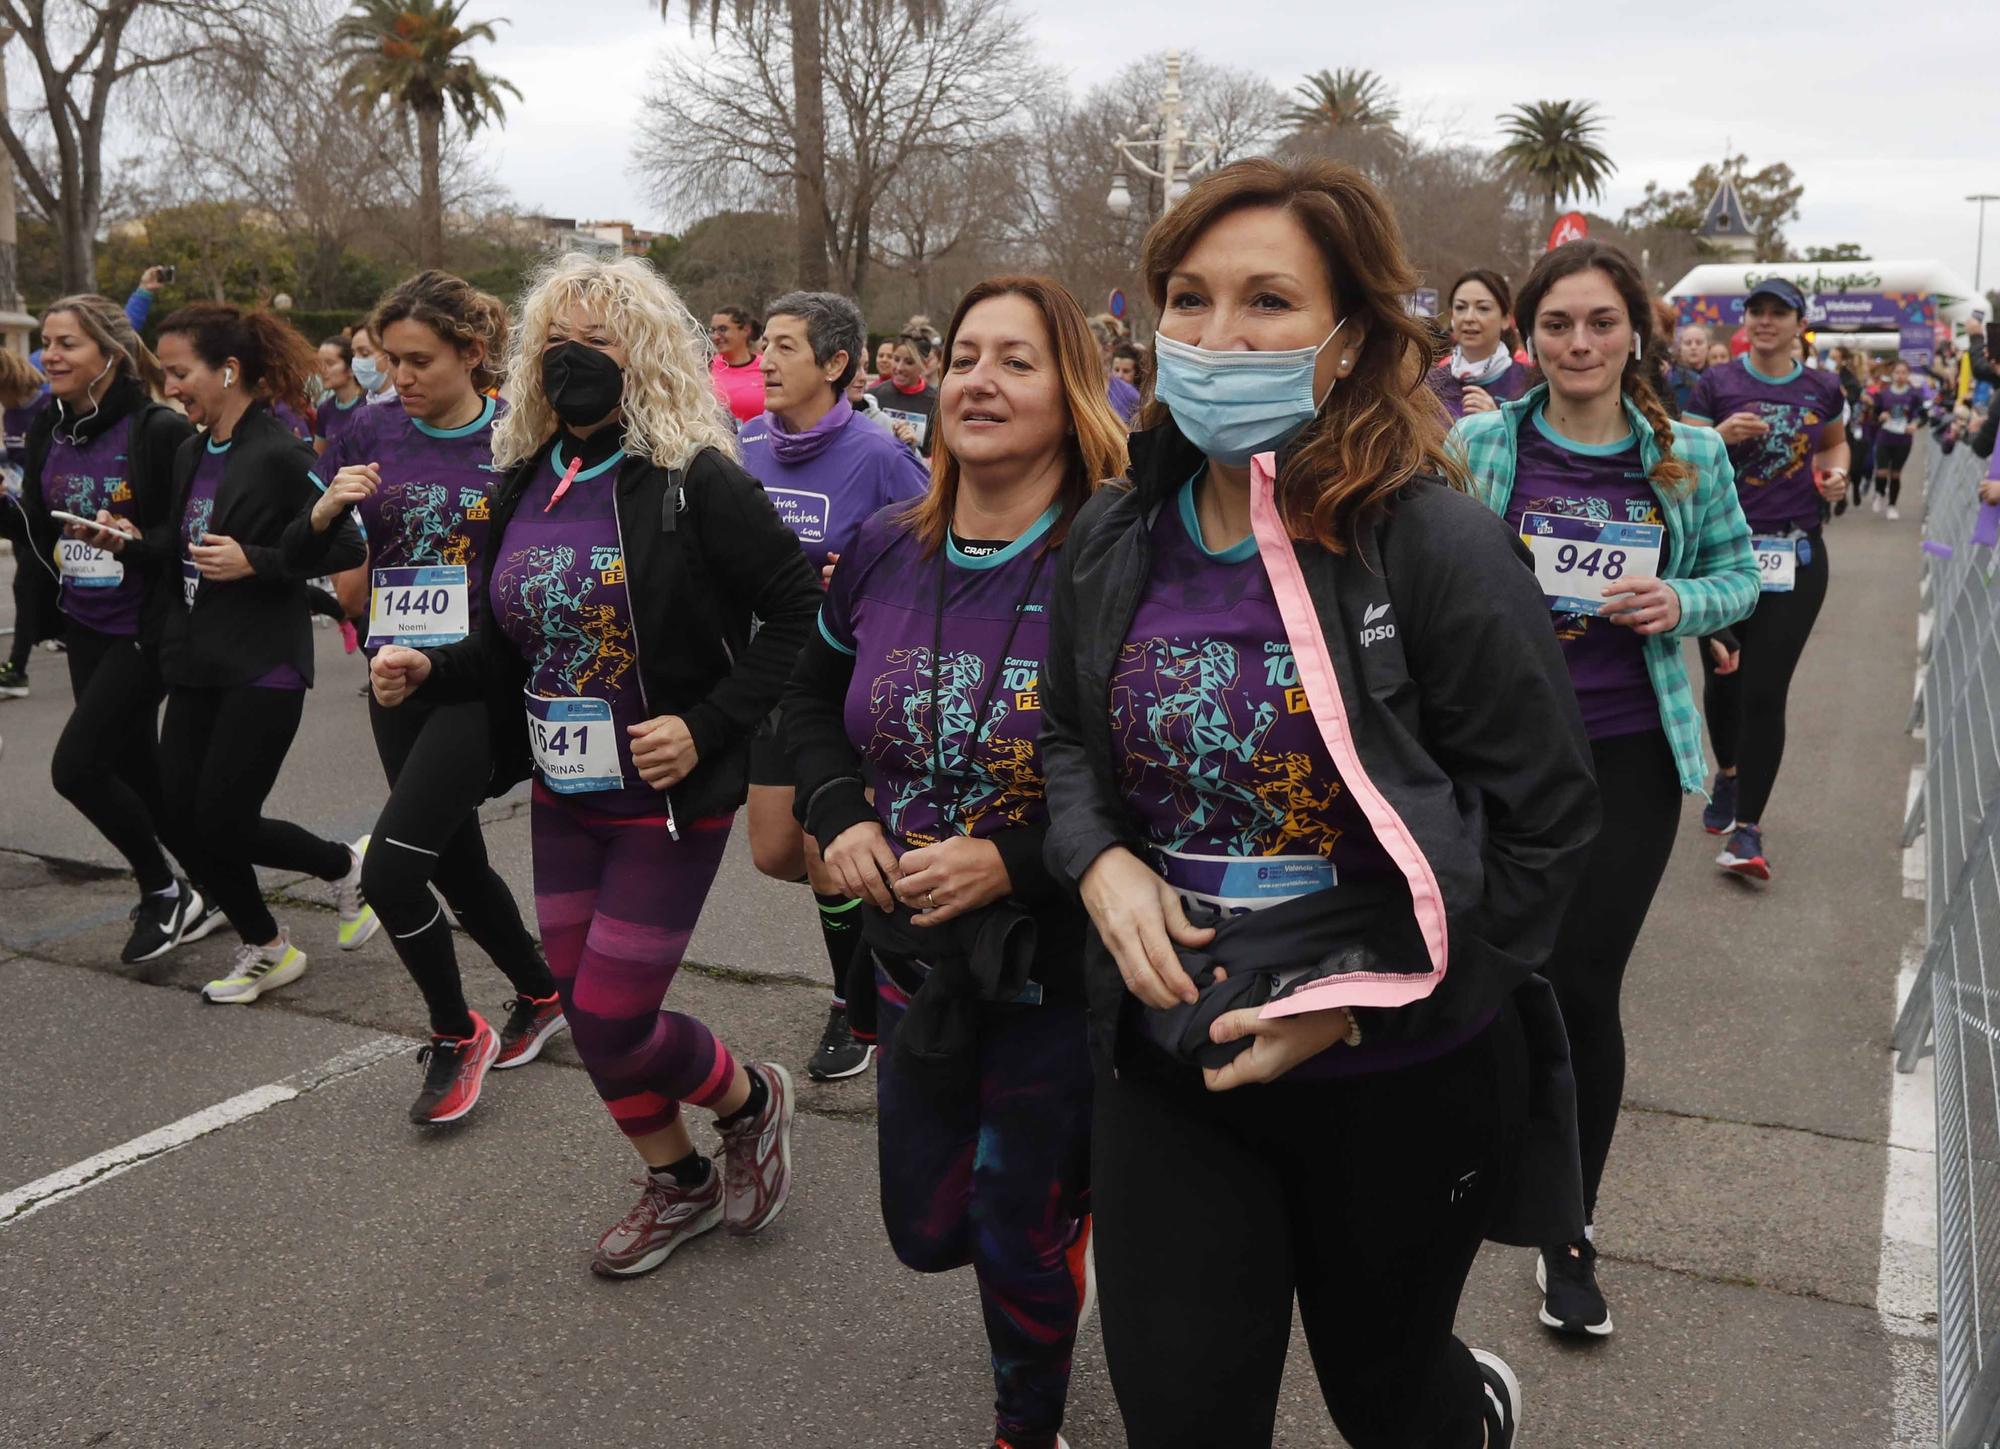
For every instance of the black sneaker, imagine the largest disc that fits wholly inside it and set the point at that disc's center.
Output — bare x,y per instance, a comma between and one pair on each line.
204,917
156,924
1571,1302
1503,1399
839,1054
13,682
1718,816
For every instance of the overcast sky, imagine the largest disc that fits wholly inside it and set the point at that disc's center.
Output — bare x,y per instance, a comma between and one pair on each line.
1887,140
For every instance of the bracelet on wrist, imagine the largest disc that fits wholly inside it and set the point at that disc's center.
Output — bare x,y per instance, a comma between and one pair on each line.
1353,1037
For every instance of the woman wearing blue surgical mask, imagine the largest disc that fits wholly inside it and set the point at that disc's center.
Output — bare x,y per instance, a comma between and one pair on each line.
1316,769
369,367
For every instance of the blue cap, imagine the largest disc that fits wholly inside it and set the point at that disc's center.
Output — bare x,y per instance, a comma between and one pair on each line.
1783,290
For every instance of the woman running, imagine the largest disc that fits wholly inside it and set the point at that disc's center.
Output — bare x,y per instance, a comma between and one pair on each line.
906,394
1312,698
420,478
739,381
983,1089
827,470
1901,408
104,450
1639,543
627,556
237,647
340,409
1785,425
1480,372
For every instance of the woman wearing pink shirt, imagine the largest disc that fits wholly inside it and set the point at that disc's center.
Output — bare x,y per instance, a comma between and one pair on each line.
739,382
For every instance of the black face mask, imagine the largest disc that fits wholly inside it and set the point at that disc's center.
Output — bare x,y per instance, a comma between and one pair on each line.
582,384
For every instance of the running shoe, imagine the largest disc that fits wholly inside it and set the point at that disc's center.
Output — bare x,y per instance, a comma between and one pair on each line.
1503,1399
358,921
1571,1300
1081,1256
157,923
665,1216
257,969
204,918
1880,503
530,1023
1744,855
839,1054
1892,515
757,1156
454,1070
1718,816
13,682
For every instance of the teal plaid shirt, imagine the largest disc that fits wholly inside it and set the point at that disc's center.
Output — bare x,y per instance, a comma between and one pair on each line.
1708,556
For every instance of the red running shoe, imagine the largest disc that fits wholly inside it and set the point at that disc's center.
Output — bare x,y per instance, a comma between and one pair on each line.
757,1157
529,1024
454,1070
665,1216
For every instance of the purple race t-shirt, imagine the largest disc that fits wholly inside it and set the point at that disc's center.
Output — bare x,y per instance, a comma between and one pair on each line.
98,591
437,488
1451,392
1216,746
1899,413
825,498
207,481
1774,473
333,417
557,592
952,746
1606,482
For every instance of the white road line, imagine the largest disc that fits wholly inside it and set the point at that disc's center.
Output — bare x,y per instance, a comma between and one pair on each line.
1906,1276
1913,855
25,1202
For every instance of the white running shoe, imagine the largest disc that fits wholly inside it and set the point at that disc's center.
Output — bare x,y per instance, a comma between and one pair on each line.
1880,503
257,969
358,921
1892,515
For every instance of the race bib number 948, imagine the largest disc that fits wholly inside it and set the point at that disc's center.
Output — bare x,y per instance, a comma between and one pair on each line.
1577,558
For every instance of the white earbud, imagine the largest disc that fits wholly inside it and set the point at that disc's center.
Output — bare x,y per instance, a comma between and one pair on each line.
1638,349
229,377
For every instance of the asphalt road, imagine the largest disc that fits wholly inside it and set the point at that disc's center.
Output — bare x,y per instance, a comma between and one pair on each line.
321,1273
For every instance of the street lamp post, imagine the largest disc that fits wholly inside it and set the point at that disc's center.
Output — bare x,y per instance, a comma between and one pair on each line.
1979,256
1167,139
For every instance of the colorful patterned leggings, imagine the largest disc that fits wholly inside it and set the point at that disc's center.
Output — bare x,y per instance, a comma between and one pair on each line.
618,897
998,1180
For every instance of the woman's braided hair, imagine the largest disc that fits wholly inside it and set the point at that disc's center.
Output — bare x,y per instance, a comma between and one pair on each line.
457,311
1672,473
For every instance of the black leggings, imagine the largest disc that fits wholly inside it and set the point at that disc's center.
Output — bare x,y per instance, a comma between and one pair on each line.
1366,1197
1892,453
36,615
1746,710
438,761
1641,794
107,759
220,753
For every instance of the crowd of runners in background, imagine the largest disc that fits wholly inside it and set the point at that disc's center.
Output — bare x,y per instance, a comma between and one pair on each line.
1232,769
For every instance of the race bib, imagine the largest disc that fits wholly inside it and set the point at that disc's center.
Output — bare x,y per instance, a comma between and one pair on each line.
1575,558
84,567
190,580
918,421
1234,885
1895,423
1777,564
575,744
418,607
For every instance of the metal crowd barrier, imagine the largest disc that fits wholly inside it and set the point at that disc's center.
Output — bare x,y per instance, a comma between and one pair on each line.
1956,997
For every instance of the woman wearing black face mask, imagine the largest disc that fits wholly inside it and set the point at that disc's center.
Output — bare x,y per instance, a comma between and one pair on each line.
627,552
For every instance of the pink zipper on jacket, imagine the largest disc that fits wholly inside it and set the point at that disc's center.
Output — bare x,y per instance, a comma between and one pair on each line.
1322,687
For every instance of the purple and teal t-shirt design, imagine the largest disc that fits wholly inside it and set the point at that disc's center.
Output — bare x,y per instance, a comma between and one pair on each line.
945,708
98,591
425,525
1606,484
1774,472
1216,746
557,592
334,418
1900,412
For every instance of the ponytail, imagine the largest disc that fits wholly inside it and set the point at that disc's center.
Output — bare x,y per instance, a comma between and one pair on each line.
278,363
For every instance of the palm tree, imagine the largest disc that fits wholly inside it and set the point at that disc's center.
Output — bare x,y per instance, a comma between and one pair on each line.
1355,98
408,55
1552,148
808,114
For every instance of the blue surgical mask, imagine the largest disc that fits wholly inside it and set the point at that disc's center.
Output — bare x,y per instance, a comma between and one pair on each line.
368,372
1235,405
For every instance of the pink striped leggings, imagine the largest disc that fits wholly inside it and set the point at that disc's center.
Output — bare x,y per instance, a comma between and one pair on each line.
618,897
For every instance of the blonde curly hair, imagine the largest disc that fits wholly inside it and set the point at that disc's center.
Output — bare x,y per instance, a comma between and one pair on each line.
670,408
